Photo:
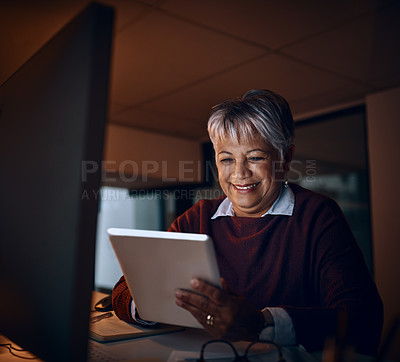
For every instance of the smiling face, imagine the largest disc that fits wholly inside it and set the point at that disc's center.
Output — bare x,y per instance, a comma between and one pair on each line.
250,174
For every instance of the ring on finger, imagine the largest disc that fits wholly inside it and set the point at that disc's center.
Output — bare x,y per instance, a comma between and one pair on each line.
210,320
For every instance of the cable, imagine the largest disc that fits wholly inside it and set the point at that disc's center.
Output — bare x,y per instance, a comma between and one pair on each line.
11,349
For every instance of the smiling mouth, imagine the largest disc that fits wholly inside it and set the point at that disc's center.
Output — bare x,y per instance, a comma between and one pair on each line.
248,187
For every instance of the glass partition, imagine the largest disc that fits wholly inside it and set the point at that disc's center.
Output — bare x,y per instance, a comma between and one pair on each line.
331,158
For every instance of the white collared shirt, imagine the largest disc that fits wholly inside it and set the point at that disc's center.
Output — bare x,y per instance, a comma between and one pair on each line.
283,331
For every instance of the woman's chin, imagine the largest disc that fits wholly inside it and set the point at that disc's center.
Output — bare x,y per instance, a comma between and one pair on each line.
245,207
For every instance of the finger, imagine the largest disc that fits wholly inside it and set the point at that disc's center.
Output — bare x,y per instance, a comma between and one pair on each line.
199,314
216,295
184,299
196,301
212,323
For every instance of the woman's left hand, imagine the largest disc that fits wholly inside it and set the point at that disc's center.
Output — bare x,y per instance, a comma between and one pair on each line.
222,312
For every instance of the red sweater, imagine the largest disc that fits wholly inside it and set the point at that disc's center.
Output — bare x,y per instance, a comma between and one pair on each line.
307,263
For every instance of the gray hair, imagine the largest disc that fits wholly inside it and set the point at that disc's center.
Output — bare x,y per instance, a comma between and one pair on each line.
259,113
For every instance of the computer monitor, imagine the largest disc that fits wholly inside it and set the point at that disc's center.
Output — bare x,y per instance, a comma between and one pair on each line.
52,122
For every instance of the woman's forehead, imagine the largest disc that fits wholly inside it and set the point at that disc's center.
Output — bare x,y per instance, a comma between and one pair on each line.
252,143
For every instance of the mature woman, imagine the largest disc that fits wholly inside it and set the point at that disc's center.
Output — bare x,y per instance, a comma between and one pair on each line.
289,262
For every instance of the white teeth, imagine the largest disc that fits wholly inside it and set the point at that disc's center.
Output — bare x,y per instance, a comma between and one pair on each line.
247,187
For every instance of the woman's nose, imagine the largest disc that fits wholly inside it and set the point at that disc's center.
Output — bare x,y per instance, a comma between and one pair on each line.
241,170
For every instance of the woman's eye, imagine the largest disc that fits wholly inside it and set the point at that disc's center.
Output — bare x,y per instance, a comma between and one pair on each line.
226,160
255,159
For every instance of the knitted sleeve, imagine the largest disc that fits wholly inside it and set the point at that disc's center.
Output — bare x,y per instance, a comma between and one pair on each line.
121,301
347,293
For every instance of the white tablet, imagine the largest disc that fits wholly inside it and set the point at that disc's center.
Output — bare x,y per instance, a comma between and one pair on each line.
156,263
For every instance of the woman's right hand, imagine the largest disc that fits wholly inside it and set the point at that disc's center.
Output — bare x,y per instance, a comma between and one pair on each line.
222,312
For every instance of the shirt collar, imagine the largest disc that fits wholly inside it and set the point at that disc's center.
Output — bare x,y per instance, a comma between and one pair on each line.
283,205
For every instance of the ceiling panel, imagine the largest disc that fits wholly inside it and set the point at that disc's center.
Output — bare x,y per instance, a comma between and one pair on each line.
272,72
324,102
269,23
173,115
366,50
127,12
158,121
159,54
25,26
173,59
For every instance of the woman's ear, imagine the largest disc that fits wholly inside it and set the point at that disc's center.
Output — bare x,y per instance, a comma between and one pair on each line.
289,156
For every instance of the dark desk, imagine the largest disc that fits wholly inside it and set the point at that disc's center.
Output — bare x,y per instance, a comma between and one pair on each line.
172,346
168,347
187,343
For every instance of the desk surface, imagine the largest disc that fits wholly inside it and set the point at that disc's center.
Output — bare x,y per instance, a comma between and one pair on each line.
167,347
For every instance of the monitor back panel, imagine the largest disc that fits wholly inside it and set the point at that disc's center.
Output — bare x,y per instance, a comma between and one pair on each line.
52,120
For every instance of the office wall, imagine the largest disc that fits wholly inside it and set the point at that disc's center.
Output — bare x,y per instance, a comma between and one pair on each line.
143,158
383,122
118,209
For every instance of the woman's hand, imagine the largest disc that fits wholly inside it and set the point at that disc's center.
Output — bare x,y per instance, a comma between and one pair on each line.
223,313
